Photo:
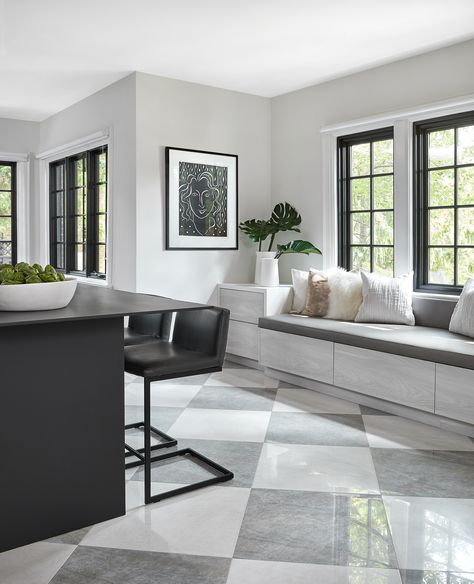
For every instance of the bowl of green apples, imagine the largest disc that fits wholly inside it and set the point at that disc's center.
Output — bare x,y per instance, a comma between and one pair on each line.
25,287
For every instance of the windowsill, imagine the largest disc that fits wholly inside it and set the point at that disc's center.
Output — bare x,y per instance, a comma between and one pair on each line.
91,281
437,296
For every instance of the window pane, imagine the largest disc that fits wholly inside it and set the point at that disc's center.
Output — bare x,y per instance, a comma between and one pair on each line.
102,167
79,165
60,256
59,230
383,192
80,260
360,228
441,266
5,229
5,177
466,145
383,227
102,198
59,177
383,260
465,265
441,148
5,253
441,226
360,258
441,187
466,226
466,185
101,226
5,204
360,159
80,229
81,202
360,194
60,203
101,260
383,156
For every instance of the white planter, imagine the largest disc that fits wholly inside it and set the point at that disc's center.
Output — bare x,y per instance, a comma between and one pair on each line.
269,275
261,255
45,296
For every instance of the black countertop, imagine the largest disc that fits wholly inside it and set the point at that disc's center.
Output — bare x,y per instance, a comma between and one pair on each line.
92,302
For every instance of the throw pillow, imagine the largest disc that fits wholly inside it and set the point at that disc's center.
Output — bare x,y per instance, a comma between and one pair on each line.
386,300
462,321
345,295
300,288
317,297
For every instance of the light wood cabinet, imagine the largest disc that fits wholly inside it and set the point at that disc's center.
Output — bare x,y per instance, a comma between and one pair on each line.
455,393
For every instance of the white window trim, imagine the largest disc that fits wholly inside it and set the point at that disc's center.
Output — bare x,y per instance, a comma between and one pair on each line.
402,122
95,140
22,202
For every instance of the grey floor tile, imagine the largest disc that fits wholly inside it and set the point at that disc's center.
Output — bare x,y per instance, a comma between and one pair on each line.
424,473
320,528
234,398
91,565
366,411
433,577
323,429
239,457
161,418
72,537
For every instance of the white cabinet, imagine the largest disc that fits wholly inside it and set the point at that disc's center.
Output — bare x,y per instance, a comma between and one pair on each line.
247,303
407,381
455,393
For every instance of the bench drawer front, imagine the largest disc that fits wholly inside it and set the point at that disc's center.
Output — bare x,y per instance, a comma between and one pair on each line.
407,381
303,356
243,339
455,393
244,306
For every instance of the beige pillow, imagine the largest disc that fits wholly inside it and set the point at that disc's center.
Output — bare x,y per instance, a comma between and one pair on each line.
317,294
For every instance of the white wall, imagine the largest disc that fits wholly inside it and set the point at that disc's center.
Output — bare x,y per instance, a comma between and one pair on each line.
18,136
187,115
113,108
297,118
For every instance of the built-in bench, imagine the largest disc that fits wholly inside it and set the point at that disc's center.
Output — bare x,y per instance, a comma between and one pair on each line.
424,372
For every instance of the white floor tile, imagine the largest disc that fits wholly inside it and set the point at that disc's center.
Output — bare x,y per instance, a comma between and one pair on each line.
329,469
237,425
166,395
397,432
256,572
204,522
296,399
33,564
432,534
135,492
241,378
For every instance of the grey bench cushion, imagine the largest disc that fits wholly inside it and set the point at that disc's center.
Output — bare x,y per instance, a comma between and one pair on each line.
419,342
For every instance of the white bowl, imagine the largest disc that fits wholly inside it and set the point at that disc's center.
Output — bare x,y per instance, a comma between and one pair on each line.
44,296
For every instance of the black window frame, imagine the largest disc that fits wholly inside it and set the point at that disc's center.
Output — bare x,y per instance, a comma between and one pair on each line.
344,204
69,215
421,246
13,216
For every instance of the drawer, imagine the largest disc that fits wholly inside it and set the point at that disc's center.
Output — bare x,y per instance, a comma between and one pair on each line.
403,380
243,339
303,356
455,393
244,305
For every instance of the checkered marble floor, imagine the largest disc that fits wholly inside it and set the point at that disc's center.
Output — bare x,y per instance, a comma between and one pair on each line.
324,492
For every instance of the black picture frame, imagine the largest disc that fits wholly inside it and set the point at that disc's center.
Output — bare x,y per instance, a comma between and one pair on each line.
185,232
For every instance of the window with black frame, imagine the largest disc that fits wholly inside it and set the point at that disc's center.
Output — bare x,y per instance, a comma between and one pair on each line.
365,186
78,213
444,214
8,254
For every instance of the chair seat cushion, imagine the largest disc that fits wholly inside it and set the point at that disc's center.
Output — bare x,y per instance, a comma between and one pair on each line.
419,342
131,337
164,359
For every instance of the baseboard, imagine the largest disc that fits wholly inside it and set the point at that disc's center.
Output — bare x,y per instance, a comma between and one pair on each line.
252,363
374,402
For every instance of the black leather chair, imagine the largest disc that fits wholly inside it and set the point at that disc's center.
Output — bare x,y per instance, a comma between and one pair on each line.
147,328
198,346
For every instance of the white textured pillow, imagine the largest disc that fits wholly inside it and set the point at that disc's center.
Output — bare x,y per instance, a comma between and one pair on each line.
300,288
345,296
386,300
462,321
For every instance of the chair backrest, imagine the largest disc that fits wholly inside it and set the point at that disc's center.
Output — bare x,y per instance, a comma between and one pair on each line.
203,330
157,324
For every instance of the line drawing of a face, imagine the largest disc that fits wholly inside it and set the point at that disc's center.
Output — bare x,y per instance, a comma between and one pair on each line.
202,200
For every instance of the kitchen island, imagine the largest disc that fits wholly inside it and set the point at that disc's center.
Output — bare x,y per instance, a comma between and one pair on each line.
62,413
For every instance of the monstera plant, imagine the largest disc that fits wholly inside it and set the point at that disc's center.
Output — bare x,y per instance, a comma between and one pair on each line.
284,217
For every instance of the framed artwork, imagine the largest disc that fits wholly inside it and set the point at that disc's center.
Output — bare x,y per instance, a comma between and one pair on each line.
201,199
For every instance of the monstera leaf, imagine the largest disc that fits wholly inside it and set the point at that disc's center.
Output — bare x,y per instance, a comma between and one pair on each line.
297,246
256,229
284,218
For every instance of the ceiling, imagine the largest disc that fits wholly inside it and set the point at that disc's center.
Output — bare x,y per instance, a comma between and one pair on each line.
56,52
